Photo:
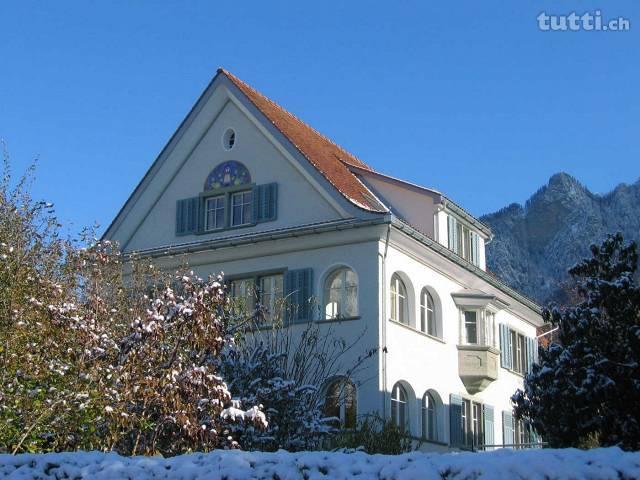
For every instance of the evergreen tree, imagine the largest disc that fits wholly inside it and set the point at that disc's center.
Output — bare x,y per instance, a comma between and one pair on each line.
585,390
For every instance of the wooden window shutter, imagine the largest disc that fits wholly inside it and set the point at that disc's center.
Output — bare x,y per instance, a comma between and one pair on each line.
475,258
508,432
188,213
451,232
265,202
505,347
489,436
455,421
531,353
298,286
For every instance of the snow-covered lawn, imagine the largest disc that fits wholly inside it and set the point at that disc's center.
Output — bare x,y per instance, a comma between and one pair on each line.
601,463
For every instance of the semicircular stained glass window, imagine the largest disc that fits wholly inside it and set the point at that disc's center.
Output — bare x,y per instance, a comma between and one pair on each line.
228,174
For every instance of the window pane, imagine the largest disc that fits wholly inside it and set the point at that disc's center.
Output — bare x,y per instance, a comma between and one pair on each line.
214,213
243,296
241,205
429,417
341,294
350,405
471,327
431,316
271,288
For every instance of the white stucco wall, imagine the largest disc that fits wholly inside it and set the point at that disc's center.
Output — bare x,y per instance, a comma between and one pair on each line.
417,207
420,362
298,202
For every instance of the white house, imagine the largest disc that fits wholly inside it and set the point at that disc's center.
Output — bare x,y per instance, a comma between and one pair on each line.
246,188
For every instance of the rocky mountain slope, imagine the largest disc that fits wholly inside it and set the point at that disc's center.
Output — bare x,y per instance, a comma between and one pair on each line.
537,243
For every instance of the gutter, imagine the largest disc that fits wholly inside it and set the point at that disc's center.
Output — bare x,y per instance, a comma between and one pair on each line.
457,209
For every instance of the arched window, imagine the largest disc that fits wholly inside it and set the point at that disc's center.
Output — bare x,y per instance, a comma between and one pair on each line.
399,300
429,417
399,413
341,294
341,402
428,313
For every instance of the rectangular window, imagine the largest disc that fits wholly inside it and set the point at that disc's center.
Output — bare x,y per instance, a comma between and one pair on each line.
516,354
214,213
472,424
466,423
489,328
241,205
522,436
462,240
243,295
471,327
270,296
478,435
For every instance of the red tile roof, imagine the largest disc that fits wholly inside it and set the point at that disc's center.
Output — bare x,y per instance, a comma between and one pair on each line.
331,160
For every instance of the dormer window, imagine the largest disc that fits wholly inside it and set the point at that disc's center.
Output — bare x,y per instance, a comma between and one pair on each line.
463,240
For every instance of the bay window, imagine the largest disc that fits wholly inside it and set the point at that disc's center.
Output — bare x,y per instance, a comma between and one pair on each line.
478,327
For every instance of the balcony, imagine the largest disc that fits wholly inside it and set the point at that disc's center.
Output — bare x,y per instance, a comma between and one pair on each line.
477,366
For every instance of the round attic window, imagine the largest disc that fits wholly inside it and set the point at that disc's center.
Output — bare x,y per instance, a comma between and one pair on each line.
229,139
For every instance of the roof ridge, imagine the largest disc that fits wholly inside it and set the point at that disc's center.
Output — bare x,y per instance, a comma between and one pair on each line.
298,119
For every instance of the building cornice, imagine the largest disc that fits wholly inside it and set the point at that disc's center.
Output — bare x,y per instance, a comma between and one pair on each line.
258,237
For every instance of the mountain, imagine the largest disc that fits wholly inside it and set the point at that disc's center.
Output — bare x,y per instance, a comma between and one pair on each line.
537,243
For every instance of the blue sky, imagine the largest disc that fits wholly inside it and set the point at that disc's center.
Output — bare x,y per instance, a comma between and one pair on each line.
468,97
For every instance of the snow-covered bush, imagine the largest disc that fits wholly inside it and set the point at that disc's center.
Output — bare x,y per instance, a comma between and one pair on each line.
284,369
586,386
103,352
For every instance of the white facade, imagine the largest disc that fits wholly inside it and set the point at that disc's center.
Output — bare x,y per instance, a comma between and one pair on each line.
313,226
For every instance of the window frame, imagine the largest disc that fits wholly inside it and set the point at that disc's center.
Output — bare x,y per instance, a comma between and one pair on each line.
344,384
429,417
243,205
215,210
344,293
473,418
256,279
428,314
399,303
227,193
400,406
485,326
466,241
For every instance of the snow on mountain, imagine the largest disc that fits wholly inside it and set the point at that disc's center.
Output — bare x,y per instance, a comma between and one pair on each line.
537,243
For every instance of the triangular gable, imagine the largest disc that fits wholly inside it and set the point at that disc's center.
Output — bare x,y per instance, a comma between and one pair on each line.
326,158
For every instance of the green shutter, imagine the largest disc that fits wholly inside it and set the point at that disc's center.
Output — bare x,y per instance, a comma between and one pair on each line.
455,421
298,292
451,231
489,437
532,351
505,347
265,201
474,249
508,433
188,213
